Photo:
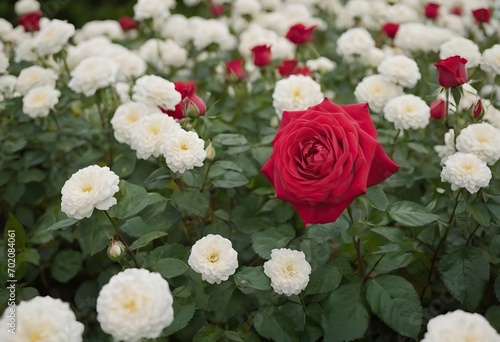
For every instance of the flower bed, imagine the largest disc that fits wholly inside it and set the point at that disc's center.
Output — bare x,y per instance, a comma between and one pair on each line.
262,170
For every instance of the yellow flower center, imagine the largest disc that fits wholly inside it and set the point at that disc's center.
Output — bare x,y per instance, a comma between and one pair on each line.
184,146
87,188
289,271
130,305
132,117
155,130
482,139
213,257
296,92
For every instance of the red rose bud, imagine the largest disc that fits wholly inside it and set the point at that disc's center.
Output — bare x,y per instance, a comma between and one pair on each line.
321,170
431,10
127,23
390,29
303,70
482,15
235,69
477,109
452,71
261,55
299,34
187,90
457,10
31,21
438,109
287,67
216,10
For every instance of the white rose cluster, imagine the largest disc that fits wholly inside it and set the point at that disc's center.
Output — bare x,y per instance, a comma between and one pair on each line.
297,92
42,319
40,101
214,258
156,91
92,187
377,91
466,170
135,304
92,74
401,70
407,112
288,270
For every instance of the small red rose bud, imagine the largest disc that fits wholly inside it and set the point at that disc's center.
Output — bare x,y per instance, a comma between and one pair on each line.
431,10
477,109
452,71
261,55
303,70
457,10
31,21
216,10
390,29
482,15
438,109
188,97
299,34
235,69
127,23
287,67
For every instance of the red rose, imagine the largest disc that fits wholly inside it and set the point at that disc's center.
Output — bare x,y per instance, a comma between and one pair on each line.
261,55
457,10
438,109
128,23
31,21
235,69
187,90
390,29
431,10
482,15
216,10
477,109
303,70
324,157
299,34
451,71
287,67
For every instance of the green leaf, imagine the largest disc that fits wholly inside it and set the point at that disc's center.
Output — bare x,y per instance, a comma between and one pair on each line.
191,202
31,175
411,214
465,272
224,301
66,265
272,323
63,224
396,302
266,240
345,317
497,287
131,200
145,239
376,197
208,333
158,179
170,267
233,336
327,231
13,225
480,213
93,236
252,277
324,279
86,295
183,312
229,139
493,316
230,179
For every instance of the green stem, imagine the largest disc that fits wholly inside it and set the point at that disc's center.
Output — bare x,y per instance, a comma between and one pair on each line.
122,240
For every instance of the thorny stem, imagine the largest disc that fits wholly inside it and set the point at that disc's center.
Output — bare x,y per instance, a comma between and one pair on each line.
472,235
367,275
357,245
122,240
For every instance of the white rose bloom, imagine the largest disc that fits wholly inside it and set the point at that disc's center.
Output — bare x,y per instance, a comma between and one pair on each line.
417,37
40,101
148,9
288,270
377,91
490,61
23,7
183,151
354,43
156,91
162,54
88,48
446,150
8,86
35,76
93,73
53,36
89,188
469,96
214,258
99,28
254,35
149,132
5,28
491,114
297,92
246,7
407,112
402,13
130,65
460,326
123,91
466,170
135,304
25,51
125,118
401,70
482,139
453,22
177,27
42,319
212,31
372,58
4,63
321,64
462,47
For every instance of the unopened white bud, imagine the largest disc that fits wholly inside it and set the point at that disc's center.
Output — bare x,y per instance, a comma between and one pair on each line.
210,150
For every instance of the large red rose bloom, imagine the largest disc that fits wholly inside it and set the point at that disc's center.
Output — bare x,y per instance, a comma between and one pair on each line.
324,157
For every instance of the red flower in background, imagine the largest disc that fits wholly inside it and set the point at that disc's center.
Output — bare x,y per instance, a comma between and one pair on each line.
299,34
477,109
324,157
216,10
261,55
235,69
438,109
390,29
482,15
451,71
31,21
127,23
187,90
431,10
291,67
457,10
